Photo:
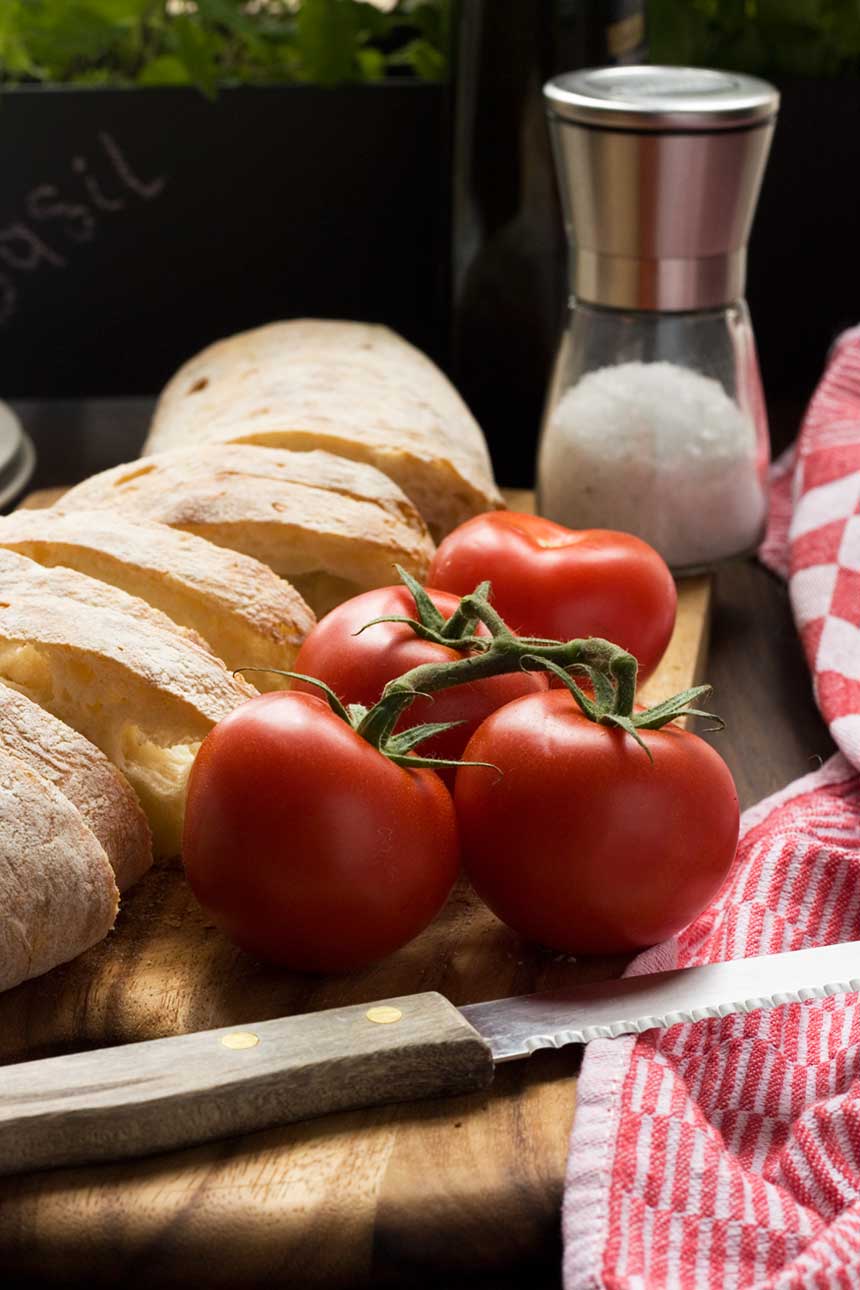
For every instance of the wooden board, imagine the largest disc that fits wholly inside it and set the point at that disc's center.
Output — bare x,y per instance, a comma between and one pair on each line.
437,1194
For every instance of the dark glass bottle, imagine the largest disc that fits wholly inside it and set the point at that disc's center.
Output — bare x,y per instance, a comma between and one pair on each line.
509,249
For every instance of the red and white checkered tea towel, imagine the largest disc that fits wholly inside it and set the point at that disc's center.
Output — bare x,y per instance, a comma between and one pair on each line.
727,1153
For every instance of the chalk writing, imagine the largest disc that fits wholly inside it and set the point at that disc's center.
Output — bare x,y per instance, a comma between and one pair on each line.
99,199
137,185
24,250
43,204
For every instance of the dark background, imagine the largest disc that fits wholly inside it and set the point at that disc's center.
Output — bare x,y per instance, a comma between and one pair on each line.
274,202
404,202
803,282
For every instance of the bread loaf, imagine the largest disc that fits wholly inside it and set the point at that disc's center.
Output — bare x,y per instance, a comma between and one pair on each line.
84,775
57,890
351,388
248,615
333,527
141,688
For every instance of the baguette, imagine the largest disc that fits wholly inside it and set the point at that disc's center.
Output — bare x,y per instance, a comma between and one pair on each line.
333,527
57,890
84,775
248,615
144,690
357,390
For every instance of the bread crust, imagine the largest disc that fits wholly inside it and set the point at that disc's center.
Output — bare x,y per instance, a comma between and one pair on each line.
82,773
356,389
247,614
124,675
305,514
57,891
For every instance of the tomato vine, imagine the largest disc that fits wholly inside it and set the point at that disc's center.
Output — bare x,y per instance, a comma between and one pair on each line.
611,670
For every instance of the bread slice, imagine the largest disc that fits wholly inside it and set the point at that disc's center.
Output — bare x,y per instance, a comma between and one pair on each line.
57,890
333,527
354,389
248,615
84,775
141,688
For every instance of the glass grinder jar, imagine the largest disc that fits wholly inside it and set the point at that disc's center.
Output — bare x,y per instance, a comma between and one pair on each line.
655,420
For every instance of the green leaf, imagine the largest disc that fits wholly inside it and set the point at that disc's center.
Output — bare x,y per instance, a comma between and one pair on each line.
408,762
424,59
195,50
122,12
613,718
433,21
428,614
588,707
426,633
326,35
58,39
604,690
167,69
406,740
371,63
327,42
669,709
227,13
769,37
333,701
15,60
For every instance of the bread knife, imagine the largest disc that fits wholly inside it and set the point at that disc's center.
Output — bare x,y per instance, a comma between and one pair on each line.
143,1098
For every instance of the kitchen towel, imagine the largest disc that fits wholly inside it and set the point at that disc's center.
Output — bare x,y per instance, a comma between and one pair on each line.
727,1153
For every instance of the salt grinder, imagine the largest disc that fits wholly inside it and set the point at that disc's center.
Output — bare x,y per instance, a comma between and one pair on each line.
655,421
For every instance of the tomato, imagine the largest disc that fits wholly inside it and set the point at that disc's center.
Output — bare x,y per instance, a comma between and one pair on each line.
357,667
560,583
579,841
306,845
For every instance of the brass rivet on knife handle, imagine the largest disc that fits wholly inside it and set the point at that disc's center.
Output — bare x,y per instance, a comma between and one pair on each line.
383,1015
241,1039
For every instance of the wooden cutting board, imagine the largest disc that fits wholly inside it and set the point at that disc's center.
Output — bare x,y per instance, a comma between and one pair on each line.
462,1191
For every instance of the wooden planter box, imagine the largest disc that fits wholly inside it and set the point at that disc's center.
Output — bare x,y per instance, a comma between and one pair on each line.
138,225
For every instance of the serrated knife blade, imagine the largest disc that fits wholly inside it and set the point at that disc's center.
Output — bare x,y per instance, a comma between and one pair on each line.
516,1027
160,1094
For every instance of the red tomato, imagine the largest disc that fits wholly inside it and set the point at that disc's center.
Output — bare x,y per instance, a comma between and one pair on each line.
358,667
306,845
583,844
561,583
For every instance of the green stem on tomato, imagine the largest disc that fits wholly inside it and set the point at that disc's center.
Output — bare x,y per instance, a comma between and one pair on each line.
476,608
503,653
460,624
611,670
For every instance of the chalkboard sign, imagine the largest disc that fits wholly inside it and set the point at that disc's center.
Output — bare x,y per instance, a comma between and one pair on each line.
138,225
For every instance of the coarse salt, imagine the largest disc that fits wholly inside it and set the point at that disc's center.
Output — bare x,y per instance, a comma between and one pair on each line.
657,450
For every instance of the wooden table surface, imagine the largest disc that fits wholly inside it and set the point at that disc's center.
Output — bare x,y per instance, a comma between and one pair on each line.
773,735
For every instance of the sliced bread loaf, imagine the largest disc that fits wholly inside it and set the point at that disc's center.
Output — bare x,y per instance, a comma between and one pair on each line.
333,527
124,675
354,389
84,775
249,616
57,890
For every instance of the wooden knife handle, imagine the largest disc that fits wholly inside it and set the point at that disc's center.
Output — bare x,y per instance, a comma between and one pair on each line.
142,1098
